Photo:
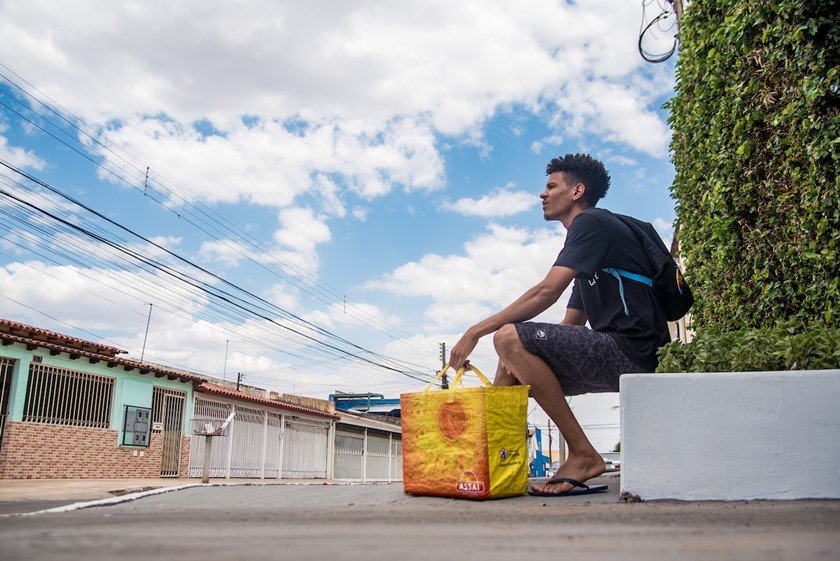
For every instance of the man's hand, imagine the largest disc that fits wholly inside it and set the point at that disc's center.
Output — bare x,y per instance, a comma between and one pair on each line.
462,349
536,300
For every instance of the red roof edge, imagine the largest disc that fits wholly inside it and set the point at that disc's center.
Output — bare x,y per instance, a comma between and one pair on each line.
207,387
37,334
128,364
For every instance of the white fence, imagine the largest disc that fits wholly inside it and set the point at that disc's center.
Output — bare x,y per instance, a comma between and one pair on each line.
264,444
367,454
260,444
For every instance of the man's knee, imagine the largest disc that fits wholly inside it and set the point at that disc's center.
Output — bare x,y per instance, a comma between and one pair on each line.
506,339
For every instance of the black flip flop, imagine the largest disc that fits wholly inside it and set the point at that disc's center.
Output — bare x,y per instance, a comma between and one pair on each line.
577,489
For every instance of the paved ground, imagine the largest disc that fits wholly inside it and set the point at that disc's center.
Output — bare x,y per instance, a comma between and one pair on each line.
349,522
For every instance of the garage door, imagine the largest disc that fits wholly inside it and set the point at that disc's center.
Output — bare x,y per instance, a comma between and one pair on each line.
305,449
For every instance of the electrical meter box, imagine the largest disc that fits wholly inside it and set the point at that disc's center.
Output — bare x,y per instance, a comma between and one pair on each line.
138,426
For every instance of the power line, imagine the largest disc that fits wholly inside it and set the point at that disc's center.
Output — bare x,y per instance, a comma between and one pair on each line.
331,293
244,305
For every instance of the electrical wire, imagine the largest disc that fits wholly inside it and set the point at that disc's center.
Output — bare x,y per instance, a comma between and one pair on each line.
666,11
336,295
244,304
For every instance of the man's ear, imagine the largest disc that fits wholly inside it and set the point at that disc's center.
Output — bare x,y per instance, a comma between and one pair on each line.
579,191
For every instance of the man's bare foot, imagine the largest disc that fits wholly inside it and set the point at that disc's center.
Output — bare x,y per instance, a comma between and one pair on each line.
580,468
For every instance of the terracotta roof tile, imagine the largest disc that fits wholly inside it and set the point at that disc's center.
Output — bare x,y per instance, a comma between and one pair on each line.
110,360
38,334
213,389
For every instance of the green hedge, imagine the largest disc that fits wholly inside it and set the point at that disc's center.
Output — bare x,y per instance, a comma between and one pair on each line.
755,147
786,346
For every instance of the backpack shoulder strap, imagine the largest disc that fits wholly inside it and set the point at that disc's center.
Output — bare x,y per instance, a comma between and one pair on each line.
648,237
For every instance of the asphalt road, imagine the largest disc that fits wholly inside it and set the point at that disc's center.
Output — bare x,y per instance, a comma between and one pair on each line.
350,522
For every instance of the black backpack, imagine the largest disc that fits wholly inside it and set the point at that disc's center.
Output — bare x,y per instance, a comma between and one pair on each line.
672,292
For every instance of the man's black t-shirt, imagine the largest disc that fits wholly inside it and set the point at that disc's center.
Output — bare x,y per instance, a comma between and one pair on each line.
596,240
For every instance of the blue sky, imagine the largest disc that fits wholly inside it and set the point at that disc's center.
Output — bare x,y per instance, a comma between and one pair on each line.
389,155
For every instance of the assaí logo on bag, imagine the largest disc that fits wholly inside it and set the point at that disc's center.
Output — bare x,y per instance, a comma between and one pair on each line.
509,457
469,483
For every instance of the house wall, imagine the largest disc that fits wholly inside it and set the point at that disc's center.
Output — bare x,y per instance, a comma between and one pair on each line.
40,450
43,451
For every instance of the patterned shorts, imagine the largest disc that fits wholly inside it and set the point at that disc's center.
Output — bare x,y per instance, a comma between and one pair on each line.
584,361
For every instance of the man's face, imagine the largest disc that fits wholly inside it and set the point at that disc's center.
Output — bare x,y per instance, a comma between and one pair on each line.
558,196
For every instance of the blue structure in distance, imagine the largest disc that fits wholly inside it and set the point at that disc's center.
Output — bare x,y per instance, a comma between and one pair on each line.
540,463
370,403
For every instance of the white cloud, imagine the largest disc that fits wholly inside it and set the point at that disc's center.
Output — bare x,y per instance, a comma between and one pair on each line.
361,213
619,111
19,157
224,252
623,160
95,298
553,140
265,163
358,91
285,296
494,269
301,230
500,202
665,229
355,314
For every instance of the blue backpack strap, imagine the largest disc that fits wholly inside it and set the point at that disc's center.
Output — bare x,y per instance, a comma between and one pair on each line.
618,273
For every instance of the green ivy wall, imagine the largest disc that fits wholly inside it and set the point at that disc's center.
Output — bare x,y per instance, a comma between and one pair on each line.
755,146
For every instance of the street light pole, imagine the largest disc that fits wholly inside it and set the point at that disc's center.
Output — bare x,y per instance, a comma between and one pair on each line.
146,336
224,369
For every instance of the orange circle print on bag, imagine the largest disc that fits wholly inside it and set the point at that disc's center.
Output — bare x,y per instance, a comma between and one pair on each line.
453,419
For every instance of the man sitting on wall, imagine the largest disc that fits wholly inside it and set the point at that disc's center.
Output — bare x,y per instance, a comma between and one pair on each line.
559,360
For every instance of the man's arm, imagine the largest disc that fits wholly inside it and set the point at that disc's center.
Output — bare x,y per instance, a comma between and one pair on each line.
531,304
574,317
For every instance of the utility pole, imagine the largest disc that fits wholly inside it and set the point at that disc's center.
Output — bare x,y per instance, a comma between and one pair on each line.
148,321
549,441
444,381
678,9
238,380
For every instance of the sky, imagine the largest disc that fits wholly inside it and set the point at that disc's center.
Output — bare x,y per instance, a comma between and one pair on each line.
327,190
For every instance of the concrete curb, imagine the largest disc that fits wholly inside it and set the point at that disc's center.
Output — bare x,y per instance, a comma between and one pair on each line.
139,495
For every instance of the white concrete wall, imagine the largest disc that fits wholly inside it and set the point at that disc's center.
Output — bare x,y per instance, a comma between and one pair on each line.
731,436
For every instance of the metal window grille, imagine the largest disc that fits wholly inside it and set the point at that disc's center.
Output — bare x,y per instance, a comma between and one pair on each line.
7,366
164,411
68,397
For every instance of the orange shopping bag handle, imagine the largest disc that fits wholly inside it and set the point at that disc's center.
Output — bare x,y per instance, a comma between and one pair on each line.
459,374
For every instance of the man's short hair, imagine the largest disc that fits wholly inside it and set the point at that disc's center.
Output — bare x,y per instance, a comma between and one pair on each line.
585,169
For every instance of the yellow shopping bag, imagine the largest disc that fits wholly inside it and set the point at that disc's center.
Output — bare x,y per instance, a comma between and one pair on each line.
468,443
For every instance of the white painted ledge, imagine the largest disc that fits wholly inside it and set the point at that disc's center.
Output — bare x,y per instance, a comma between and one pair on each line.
731,436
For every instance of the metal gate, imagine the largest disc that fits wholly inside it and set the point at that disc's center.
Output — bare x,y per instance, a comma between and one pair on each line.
305,448
248,433
349,448
396,459
168,410
209,411
6,368
378,461
367,454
